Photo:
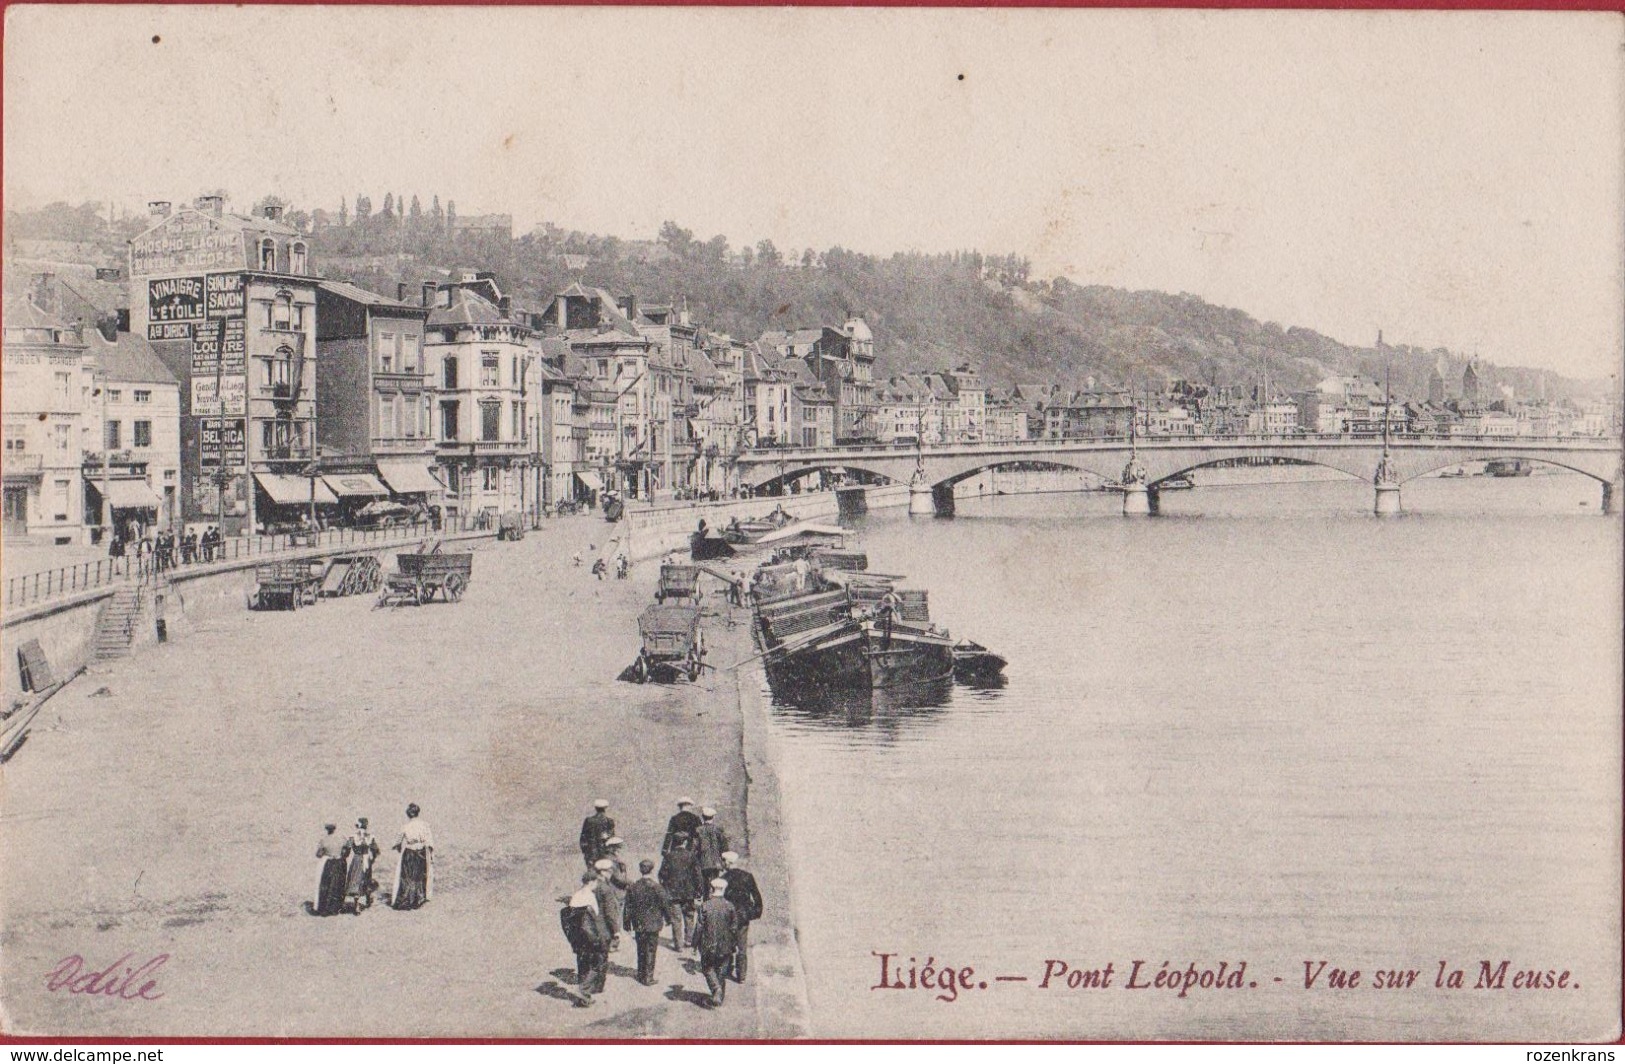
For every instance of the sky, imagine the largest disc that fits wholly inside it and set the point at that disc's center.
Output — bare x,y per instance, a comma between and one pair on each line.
1454,179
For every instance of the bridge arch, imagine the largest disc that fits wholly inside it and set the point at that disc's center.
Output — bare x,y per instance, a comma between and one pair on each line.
1342,467
1046,464
793,472
1511,455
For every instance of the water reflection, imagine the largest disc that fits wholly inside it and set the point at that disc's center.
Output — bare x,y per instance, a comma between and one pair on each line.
887,713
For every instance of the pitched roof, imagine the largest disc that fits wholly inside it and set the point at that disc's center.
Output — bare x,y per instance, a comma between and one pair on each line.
467,308
128,358
360,295
20,313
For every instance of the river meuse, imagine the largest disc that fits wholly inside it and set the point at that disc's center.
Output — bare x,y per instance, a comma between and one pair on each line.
1263,727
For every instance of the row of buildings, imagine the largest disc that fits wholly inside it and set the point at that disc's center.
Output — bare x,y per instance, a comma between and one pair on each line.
220,379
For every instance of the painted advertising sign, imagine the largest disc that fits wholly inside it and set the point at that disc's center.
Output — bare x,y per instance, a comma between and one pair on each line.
209,444
175,299
223,295
206,401
169,330
186,241
214,340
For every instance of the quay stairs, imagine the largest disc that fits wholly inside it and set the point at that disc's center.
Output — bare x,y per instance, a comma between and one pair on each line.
115,625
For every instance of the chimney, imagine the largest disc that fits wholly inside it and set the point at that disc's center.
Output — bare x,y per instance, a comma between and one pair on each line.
505,305
44,292
158,208
273,212
428,293
211,204
400,291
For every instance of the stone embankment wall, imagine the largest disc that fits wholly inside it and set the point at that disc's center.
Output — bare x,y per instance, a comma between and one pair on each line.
66,627
656,530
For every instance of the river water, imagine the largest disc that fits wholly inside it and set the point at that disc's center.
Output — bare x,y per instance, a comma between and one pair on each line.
1263,727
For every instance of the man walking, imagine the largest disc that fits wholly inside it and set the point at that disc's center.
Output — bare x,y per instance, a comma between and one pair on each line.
680,875
647,911
682,825
712,843
608,900
747,902
715,937
588,937
596,831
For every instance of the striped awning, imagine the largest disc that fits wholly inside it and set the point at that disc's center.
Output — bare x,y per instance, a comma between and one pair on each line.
294,491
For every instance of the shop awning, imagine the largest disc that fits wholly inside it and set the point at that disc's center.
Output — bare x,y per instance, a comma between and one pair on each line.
355,485
407,477
128,494
593,481
293,491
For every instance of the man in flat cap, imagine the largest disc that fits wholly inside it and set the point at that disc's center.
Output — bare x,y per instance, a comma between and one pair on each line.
588,936
609,902
682,825
715,937
712,843
647,910
596,831
747,901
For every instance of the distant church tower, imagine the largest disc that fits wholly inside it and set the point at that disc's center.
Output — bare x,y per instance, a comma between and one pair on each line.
1436,384
1469,382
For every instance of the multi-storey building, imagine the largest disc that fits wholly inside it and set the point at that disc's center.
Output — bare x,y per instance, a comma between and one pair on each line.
843,361
1088,414
766,398
229,304
478,358
140,443
374,394
48,382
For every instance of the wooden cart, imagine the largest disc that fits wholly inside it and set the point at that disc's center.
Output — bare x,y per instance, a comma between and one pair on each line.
351,574
419,577
284,586
672,643
679,582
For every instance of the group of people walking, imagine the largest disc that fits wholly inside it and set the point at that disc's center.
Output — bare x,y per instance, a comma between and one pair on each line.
700,892
346,880
163,551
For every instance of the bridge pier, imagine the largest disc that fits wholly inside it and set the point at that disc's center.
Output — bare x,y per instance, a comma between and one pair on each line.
921,500
1136,500
1610,498
1387,500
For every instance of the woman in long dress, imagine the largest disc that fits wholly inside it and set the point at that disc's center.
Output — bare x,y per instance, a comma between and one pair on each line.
362,849
414,873
330,880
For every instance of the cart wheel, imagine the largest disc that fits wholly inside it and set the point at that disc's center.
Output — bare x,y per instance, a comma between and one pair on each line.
454,587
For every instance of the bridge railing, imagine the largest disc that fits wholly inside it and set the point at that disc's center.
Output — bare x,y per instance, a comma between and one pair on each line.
770,455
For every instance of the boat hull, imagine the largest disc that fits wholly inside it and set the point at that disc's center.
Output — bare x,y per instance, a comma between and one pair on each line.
869,656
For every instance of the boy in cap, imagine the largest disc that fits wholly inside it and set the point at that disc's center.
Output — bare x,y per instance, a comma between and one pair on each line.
715,937
588,937
712,842
596,831
647,910
747,901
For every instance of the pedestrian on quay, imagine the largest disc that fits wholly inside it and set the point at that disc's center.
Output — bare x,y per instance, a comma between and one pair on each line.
746,899
609,900
585,930
362,850
685,888
596,831
682,824
647,910
619,877
414,872
330,877
712,841
189,546
715,937
599,568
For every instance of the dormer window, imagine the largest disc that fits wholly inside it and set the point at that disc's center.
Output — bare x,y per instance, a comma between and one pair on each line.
297,264
268,255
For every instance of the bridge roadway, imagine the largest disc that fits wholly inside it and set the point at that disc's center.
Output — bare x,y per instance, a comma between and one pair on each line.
1141,466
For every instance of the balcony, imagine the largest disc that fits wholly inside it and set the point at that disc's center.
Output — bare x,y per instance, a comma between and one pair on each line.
479,447
22,466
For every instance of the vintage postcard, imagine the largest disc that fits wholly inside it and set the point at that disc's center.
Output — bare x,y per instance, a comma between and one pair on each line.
696,523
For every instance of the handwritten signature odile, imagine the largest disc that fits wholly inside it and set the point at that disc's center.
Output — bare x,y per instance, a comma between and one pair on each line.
70,975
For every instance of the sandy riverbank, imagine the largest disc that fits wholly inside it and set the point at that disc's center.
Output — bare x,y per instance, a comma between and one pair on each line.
177,813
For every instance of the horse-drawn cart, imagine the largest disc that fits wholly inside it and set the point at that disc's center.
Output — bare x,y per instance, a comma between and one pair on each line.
420,576
679,582
351,574
672,643
284,586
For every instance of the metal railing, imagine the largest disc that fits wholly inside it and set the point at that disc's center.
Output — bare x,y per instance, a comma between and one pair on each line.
30,588
770,454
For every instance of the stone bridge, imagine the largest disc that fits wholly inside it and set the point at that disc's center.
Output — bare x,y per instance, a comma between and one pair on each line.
1138,467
